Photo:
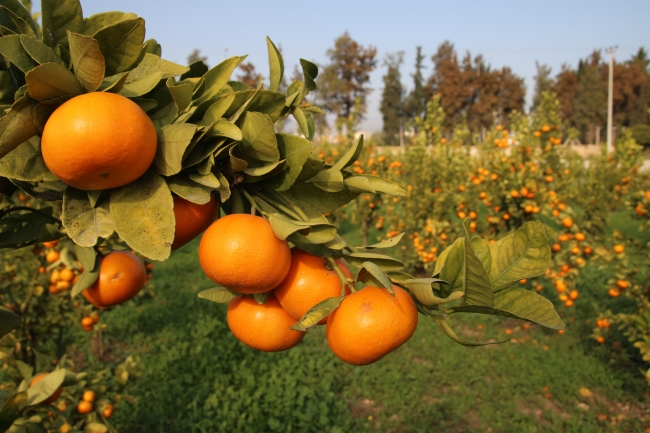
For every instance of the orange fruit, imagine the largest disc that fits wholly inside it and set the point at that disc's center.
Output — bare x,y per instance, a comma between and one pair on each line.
66,275
95,317
262,327
567,222
121,276
52,256
63,285
98,140
370,323
50,244
84,407
242,253
647,195
54,396
108,411
580,237
88,396
622,284
87,321
614,293
618,248
192,219
556,248
308,283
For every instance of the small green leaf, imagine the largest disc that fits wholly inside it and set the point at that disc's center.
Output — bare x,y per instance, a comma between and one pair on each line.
87,256
138,87
209,180
26,371
388,243
329,180
478,290
44,109
317,313
87,60
59,16
172,143
261,298
40,52
370,272
223,128
350,156
423,292
482,250
276,65
143,214
12,49
51,80
295,151
183,186
216,78
386,263
104,19
373,184
322,201
86,279
84,223
220,295
8,321
45,388
450,265
301,119
19,129
309,72
72,378
522,254
152,64
17,7
283,227
258,138
121,44
217,110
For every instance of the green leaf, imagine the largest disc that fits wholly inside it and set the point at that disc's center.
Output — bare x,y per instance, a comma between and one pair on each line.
183,186
386,263
217,110
444,325
84,223
276,65
87,60
373,184
309,72
322,201
519,303
212,82
423,292
172,143
317,313
51,80
72,378
164,116
151,46
86,279
283,227
59,16
350,156
17,7
450,265
523,254
26,371
482,250
370,272
182,94
152,64
40,52
295,150
121,44
258,138
209,180
388,243
398,277
104,19
26,163
20,128
196,70
12,409
257,173
478,290
45,388
310,168
143,214
8,321
301,119
329,180
115,83
223,128
87,256
224,186
261,298
9,20
220,295
12,49
141,86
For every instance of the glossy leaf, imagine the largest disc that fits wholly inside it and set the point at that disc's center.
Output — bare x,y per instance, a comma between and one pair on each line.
8,321
40,52
172,143
12,49
276,65
350,156
523,254
317,313
386,263
121,44
369,272
220,295
388,243
84,223
144,217
258,138
295,151
329,180
104,19
519,303
59,16
309,72
51,80
44,388
87,60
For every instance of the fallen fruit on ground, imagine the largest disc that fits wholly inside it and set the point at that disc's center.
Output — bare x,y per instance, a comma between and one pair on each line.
371,323
310,280
262,327
241,252
121,276
98,140
192,219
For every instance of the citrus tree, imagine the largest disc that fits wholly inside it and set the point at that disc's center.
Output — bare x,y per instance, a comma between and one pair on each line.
128,154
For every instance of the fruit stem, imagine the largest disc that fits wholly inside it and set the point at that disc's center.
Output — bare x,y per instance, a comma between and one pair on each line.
339,273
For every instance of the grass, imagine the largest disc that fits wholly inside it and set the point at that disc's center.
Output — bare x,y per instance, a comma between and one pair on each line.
194,376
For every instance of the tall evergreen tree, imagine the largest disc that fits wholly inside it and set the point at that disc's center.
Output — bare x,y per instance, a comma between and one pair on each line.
590,103
543,83
416,102
392,99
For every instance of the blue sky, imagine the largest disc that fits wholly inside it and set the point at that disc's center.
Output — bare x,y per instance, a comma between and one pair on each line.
507,32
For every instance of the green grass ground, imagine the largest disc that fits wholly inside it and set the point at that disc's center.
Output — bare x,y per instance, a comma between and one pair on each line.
194,376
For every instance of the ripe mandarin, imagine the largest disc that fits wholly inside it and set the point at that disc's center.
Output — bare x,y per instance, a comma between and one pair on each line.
308,282
371,323
98,140
241,252
192,219
121,277
262,327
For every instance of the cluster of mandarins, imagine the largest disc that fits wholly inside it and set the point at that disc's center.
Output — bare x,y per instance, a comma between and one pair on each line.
85,406
241,253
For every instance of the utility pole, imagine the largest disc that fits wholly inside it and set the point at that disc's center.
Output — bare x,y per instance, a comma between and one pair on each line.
610,97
